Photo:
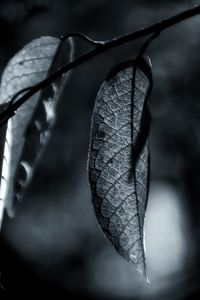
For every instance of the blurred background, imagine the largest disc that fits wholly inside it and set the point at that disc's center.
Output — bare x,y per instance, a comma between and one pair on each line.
54,246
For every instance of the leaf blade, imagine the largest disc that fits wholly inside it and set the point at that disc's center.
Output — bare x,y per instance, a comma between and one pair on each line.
28,67
119,195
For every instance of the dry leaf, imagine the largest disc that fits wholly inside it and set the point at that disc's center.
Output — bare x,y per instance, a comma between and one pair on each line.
118,162
27,132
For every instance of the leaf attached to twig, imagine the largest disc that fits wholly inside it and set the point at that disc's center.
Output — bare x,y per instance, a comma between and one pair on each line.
25,134
118,162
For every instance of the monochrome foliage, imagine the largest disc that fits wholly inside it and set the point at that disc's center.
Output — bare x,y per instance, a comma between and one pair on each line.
28,130
119,158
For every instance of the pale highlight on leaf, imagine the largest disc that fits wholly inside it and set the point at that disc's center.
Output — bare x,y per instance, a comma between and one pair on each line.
28,131
118,162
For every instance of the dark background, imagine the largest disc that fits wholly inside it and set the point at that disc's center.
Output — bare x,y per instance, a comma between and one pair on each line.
54,246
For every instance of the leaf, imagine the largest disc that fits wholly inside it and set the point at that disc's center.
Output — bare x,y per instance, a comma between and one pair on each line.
118,161
28,131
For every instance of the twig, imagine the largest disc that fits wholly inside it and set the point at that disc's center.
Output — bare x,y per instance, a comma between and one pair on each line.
82,36
101,47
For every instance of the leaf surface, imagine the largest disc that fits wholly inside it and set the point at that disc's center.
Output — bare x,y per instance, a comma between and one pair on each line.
118,161
28,130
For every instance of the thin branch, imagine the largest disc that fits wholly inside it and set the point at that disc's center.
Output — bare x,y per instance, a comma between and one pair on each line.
101,48
147,43
82,36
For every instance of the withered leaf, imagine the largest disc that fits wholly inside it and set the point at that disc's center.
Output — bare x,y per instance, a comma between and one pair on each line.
118,162
25,134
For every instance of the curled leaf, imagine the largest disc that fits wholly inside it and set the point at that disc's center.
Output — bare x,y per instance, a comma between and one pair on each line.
28,130
118,162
